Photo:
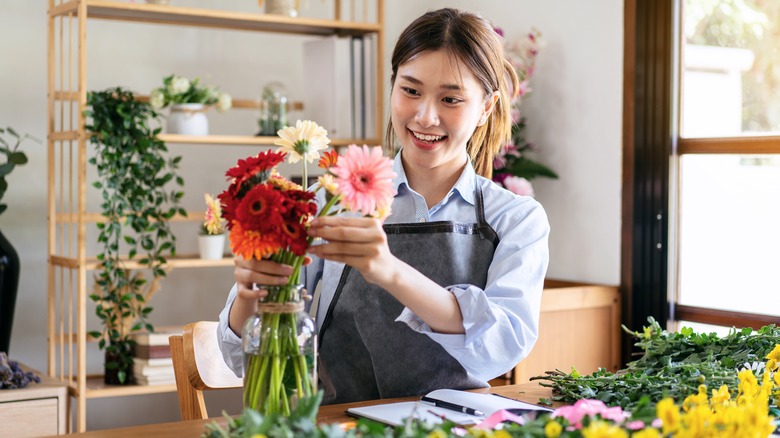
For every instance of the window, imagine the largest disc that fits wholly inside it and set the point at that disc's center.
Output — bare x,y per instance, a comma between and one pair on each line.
728,161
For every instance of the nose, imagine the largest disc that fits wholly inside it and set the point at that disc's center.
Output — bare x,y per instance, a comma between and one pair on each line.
427,115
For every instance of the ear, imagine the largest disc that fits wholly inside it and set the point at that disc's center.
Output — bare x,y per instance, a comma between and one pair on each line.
490,103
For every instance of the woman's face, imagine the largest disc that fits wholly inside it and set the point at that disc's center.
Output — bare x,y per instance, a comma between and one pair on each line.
436,104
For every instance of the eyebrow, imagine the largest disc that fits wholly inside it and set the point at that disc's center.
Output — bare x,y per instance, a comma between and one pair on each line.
416,81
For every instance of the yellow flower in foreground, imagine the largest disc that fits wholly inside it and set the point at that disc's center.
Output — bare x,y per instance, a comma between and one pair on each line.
480,433
773,358
601,429
304,141
647,433
720,396
552,429
694,400
437,433
669,415
501,434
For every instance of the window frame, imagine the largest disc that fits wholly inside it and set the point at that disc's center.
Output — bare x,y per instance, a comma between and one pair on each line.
652,150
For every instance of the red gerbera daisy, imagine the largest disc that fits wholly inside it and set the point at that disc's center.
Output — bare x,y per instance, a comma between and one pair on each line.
252,171
262,209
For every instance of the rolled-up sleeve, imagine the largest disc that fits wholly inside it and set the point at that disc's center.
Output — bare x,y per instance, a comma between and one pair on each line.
501,321
229,342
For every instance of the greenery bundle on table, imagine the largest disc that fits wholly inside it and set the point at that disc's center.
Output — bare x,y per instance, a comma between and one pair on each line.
720,401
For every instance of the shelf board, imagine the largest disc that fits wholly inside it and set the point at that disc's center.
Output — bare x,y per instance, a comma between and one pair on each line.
200,17
97,389
180,261
249,140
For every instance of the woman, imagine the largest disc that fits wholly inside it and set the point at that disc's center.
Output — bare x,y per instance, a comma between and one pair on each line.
446,294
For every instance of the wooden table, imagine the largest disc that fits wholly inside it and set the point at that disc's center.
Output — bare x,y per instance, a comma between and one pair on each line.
528,392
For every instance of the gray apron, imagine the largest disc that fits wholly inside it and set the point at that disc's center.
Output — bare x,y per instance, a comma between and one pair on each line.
363,353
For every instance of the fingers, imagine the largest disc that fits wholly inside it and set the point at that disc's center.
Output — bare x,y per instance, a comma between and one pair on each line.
341,229
249,273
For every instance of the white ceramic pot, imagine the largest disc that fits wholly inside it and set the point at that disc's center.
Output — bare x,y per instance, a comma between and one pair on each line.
281,7
188,119
211,246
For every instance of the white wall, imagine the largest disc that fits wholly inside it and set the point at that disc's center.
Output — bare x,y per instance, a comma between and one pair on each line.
574,116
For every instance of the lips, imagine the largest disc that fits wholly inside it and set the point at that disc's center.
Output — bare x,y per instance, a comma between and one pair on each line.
426,141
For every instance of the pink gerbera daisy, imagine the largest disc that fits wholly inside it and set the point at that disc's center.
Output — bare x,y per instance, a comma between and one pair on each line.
365,179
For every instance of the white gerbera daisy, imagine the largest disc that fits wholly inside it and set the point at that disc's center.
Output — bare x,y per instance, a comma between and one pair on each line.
304,141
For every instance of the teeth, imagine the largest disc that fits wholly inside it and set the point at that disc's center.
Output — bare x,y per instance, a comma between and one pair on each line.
428,137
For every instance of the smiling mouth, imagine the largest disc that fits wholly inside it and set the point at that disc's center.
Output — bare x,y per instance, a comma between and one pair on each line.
427,138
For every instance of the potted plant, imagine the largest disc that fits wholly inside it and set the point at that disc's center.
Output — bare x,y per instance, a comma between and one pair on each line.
9,259
188,100
211,241
134,174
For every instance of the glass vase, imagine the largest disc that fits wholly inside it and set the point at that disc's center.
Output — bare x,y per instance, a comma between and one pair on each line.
279,343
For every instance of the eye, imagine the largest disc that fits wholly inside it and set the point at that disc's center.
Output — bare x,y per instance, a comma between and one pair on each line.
410,91
452,100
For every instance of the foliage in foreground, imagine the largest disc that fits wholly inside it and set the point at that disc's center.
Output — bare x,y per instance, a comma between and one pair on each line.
740,408
674,364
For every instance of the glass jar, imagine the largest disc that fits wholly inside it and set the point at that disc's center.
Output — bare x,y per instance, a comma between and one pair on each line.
280,360
273,109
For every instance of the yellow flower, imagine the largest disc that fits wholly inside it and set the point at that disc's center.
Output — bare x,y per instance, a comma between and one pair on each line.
328,183
480,433
773,358
214,223
437,433
552,429
720,396
501,434
648,432
259,435
648,332
601,429
669,414
304,141
694,400
748,385
381,212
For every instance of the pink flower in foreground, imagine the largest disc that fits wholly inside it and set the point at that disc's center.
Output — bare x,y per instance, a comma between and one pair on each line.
576,412
365,179
519,186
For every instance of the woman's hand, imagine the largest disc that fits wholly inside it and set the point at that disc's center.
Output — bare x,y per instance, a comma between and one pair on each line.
357,242
249,273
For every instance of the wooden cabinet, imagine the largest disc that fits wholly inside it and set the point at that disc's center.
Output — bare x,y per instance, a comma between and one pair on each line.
579,326
69,263
38,410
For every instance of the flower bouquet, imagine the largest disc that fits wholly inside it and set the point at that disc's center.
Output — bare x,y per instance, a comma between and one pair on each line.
512,166
267,216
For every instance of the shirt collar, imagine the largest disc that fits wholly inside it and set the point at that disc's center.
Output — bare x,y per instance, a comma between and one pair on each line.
464,186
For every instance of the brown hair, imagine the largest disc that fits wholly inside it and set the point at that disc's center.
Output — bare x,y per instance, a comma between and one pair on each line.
473,41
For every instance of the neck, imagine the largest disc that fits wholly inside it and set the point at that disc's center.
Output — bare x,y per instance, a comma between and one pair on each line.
433,183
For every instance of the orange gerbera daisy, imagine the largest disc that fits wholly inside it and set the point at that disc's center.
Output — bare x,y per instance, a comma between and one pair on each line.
328,159
250,243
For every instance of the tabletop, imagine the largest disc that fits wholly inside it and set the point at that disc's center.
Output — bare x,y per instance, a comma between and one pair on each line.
527,392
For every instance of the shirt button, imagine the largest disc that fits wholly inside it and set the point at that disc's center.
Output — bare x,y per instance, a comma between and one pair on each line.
422,219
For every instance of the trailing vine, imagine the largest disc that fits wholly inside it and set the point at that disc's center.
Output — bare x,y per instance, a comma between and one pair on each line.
134,175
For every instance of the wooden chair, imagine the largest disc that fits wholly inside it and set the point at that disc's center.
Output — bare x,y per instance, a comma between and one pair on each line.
198,366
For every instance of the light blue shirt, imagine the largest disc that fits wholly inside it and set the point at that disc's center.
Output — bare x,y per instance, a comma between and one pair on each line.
501,321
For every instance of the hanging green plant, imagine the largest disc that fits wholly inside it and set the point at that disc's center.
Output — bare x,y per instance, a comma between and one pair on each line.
134,174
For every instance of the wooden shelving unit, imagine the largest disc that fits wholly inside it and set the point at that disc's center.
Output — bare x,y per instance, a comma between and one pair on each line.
68,218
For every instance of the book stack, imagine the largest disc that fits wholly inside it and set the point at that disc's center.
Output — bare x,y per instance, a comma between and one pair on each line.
346,106
152,357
